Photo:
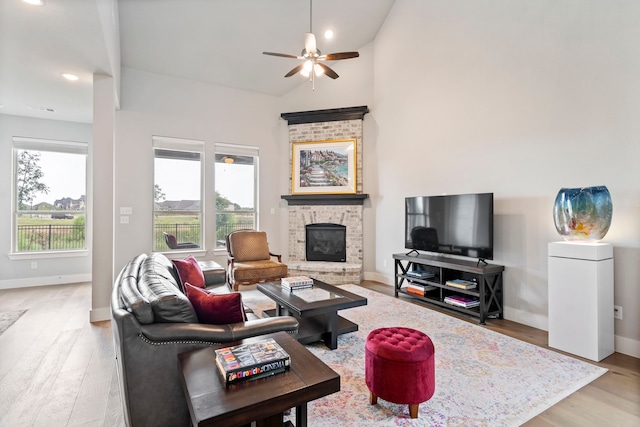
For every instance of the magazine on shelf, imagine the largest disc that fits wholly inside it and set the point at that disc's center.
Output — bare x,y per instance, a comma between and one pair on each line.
251,361
462,301
420,274
417,289
461,284
296,282
420,287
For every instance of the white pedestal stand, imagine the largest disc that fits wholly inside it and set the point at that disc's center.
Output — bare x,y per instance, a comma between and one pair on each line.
581,299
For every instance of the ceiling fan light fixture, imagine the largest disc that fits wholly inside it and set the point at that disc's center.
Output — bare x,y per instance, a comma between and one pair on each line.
313,65
308,66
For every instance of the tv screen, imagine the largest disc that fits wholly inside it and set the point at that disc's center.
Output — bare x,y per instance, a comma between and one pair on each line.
459,224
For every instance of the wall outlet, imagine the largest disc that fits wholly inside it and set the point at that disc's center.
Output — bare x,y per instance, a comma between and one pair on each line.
617,312
384,263
34,265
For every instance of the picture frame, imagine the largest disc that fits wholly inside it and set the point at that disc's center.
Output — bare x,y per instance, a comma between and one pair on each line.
324,167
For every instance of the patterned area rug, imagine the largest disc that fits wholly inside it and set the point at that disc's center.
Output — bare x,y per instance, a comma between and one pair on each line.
8,318
483,378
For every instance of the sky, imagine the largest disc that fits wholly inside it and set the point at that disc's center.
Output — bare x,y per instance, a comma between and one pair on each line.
176,179
65,174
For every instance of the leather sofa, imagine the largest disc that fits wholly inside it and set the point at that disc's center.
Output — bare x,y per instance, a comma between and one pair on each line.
153,321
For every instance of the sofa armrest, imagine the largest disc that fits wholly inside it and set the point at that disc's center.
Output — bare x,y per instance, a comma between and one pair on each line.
161,333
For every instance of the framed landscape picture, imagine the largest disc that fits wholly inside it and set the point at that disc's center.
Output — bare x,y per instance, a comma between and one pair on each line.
324,167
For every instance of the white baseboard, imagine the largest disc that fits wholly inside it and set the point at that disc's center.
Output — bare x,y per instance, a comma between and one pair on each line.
526,318
44,281
378,277
627,346
99,314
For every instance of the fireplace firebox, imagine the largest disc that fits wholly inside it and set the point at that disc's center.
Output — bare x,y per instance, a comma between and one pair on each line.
326,242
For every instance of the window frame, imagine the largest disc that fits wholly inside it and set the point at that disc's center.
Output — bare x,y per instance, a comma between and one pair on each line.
55,146
227,149
185,146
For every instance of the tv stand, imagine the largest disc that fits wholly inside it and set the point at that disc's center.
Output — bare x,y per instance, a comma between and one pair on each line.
439,270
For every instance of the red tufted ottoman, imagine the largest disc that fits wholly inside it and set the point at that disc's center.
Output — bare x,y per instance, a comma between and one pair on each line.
399,367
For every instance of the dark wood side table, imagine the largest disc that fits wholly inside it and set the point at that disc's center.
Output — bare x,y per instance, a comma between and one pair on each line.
212,403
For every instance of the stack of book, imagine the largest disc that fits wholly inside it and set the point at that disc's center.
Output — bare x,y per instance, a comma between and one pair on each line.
461,284
462,301
417,289
296,282
251,361
420,274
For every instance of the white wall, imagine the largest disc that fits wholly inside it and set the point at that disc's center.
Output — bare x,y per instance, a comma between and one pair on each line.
159,105
18,273
519,99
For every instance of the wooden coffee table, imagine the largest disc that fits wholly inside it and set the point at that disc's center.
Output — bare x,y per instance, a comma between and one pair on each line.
213,403
316,309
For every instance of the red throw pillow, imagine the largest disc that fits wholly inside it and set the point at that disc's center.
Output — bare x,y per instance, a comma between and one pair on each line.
215,309
189,271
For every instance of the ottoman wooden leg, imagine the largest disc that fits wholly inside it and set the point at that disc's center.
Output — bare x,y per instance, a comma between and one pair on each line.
373,399
413,410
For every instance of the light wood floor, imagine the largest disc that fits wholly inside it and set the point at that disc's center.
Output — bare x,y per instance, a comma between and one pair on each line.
57,369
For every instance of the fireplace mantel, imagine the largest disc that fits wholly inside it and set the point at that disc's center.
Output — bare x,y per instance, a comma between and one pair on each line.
325,199
330,115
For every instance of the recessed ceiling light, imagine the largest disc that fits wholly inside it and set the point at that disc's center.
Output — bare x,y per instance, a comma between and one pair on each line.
328,34
35,2
71,77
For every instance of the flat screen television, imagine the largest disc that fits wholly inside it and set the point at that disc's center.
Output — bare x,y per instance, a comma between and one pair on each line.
460,224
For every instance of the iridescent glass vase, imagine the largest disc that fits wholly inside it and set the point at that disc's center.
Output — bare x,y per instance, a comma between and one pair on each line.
583,213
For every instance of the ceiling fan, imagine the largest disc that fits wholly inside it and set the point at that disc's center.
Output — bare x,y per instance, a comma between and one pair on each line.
312,66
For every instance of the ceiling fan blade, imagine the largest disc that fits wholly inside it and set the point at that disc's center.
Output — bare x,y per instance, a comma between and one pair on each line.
310,43
294,71
283,55
328,71
340,55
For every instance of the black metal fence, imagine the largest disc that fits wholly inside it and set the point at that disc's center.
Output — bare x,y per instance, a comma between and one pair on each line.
190,233
183,232
50,237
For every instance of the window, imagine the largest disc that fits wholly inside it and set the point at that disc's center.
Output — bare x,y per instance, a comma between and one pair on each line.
50,195
236,172
177,194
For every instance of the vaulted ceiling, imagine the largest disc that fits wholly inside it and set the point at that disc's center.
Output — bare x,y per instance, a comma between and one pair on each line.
212,41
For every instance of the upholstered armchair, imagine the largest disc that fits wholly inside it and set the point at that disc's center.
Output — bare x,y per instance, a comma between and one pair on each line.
249,259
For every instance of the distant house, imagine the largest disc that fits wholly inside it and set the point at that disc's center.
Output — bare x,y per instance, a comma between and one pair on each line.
178,205
69,204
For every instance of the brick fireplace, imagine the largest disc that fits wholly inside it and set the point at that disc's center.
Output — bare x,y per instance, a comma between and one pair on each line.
342,209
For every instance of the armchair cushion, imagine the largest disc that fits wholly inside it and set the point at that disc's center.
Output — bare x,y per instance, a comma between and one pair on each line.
189,271
215,309
253,270
249,246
